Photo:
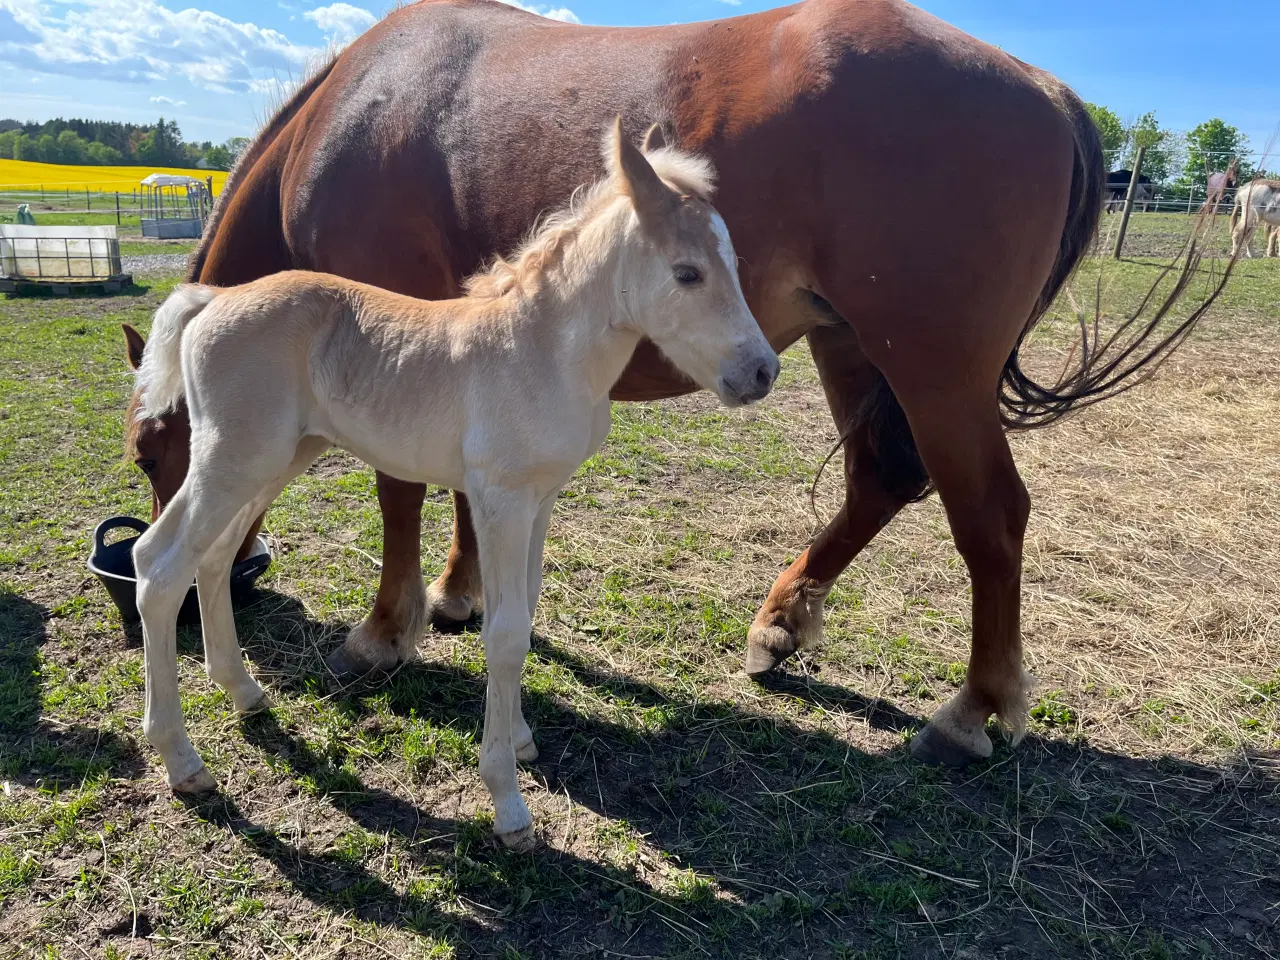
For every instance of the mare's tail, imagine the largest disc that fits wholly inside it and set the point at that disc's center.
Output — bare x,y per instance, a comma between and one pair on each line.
160,375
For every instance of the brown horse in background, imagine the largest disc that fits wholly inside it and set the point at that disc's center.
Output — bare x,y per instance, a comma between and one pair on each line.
437,139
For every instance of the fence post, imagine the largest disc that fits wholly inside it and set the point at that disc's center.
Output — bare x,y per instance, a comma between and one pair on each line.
87,205
1128,201
117,208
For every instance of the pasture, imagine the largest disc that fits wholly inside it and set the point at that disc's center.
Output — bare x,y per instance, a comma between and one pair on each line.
26,175
681,809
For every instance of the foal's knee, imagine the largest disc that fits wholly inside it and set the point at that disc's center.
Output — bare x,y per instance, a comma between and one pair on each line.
507,642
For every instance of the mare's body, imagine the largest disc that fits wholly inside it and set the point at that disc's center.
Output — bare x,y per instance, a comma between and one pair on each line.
439,136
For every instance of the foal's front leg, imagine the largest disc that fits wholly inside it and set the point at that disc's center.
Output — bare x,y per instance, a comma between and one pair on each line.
504,521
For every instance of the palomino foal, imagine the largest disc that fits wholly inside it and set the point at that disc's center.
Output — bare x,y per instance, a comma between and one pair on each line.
502,393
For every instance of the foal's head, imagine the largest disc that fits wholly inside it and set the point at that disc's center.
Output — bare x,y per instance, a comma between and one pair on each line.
680,275
160,446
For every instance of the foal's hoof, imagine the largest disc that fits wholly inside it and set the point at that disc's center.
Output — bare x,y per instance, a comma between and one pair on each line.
261,705
521,840
448,613
932,746
527,753
199,782
766,648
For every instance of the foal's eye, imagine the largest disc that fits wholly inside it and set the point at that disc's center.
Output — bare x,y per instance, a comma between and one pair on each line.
146,465
688,276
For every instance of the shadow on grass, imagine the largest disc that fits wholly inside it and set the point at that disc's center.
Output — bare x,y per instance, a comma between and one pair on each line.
31,748
815,846
774,837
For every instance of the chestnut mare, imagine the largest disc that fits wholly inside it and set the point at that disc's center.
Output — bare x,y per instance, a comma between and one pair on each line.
440,135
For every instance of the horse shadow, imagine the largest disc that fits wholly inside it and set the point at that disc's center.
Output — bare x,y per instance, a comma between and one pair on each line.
33,751
856,838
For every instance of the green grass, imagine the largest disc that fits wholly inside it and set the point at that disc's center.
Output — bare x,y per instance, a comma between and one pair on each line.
682,810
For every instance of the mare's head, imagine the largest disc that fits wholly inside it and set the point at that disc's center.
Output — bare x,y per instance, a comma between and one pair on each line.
679,272
159,446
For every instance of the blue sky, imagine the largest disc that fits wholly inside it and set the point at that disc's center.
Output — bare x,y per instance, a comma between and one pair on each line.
213,65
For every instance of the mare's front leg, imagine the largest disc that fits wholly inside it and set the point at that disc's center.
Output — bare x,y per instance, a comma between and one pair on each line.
452,597
391,631
504,521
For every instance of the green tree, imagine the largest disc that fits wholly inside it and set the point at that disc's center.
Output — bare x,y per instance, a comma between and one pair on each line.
162,146
1111,131
6,143
23,147
219,157
1162,159
104,155
70,148
1210,148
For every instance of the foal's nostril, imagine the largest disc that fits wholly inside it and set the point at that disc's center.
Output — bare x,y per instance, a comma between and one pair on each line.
765,374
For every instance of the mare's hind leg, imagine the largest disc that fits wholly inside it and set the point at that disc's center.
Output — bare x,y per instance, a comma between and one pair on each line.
962,443
878,481
223,661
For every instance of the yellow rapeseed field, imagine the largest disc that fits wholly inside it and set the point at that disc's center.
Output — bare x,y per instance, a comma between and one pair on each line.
27,175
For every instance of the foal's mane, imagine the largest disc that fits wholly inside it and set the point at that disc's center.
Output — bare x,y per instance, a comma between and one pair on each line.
686,173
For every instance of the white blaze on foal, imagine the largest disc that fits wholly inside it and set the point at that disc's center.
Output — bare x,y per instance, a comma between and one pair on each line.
502,393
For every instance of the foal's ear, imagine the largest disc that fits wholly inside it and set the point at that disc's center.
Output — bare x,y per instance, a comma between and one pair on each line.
134,345
654,139
651,196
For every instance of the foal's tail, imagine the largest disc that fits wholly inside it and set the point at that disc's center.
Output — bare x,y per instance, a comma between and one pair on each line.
160,374
1132,353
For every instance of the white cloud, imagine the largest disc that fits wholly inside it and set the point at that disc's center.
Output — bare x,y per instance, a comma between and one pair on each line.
551,13
732,3
140,41
162,99
341,22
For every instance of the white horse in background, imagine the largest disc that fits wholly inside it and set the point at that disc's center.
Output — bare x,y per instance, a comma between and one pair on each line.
1256,201
502,393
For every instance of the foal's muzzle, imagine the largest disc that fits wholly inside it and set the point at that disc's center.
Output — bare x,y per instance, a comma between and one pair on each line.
750,379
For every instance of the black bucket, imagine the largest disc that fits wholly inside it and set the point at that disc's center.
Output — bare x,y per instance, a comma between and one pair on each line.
113,565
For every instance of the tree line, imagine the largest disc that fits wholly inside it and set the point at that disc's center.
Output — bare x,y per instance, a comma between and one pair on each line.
1177,161
108,143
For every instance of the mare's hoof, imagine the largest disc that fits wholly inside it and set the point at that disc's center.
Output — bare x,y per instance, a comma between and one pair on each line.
766,648
521,841
936,748
199,782
527,753
447,613
347,665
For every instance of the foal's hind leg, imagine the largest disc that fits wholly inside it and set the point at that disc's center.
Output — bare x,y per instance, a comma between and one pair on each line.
877,484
